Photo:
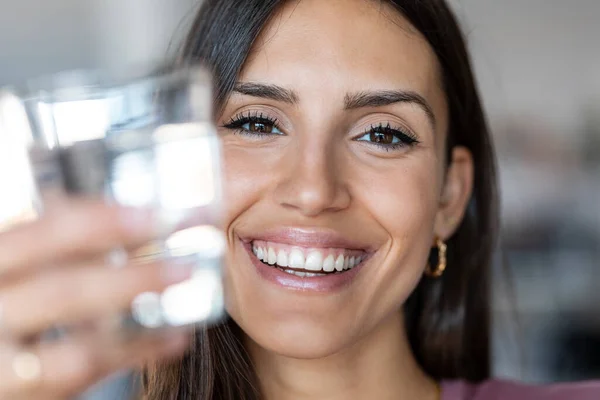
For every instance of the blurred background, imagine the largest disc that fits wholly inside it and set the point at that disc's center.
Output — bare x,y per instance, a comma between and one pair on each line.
538,65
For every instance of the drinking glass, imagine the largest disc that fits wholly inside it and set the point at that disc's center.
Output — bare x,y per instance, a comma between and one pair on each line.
143,139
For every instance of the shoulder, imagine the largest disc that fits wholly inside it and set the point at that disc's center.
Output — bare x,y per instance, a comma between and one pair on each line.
505,390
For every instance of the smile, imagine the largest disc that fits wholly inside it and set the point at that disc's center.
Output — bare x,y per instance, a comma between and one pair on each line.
305,262
315,260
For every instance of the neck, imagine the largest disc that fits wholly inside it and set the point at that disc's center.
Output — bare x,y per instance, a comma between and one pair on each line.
380,366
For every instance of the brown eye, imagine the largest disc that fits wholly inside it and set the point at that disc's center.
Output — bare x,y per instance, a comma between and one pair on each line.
387,137
260,127
257,125
381,137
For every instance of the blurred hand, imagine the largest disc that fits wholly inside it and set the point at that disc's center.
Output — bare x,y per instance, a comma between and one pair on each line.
53,274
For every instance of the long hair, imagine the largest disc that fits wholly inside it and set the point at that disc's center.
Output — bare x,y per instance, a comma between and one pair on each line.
447,319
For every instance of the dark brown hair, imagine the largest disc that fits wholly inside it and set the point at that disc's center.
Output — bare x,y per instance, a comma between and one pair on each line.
447,318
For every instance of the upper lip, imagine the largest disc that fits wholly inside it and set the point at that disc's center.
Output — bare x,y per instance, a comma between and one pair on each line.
307,237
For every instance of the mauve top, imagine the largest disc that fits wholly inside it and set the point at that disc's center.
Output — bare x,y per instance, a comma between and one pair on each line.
503,390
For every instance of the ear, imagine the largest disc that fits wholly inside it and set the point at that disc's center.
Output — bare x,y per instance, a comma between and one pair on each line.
456,192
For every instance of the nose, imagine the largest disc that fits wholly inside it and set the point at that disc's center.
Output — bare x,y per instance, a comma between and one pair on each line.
313,181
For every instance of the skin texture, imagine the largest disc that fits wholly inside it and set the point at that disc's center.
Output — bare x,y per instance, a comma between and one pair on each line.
316,175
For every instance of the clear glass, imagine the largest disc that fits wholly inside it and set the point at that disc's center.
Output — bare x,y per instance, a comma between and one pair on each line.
145,141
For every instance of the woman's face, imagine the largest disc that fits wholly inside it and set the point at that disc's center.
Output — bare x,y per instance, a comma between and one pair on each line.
334,142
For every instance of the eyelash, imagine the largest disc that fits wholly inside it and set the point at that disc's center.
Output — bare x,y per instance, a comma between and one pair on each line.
405,138
237,122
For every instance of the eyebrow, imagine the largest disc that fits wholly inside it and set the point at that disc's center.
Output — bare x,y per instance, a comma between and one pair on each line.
388,97
264,91
352,101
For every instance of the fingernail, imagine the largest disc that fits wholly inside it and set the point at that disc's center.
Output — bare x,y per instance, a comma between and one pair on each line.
138,221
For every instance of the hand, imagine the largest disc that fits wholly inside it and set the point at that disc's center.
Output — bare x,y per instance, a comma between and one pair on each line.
53,273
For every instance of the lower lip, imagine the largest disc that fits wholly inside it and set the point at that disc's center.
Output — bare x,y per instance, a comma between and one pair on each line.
326,283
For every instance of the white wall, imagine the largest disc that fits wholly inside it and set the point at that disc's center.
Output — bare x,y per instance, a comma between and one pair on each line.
41,36
535,57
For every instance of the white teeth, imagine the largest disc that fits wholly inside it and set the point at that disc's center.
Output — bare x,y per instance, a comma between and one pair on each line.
271,256
329,264
339,263
302,274
296,259
282,259
297,273
314,261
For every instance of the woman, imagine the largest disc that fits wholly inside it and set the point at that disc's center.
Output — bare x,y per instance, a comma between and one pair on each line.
362,215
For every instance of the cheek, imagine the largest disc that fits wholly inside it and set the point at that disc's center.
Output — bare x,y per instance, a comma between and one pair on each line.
403,199
245,181
403,202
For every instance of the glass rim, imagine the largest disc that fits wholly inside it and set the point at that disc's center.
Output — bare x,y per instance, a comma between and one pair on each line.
88,83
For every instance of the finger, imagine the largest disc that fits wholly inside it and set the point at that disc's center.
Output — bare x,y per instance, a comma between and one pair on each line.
75,228
70,295
61,370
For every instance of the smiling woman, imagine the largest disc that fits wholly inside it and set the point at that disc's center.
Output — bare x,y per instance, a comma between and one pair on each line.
362,206
355,143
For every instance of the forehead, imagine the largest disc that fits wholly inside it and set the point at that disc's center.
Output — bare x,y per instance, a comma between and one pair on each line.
338,46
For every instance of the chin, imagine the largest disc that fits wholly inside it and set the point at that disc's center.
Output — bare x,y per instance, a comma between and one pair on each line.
297,339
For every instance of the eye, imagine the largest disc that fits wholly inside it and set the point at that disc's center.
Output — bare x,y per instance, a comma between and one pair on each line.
254,124
387,137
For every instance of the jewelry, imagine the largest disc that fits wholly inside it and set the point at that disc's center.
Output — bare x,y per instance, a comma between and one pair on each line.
441,261
27,367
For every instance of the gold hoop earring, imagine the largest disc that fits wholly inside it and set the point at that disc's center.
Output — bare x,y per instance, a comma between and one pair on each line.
441,261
